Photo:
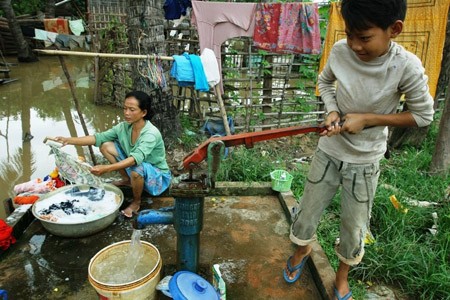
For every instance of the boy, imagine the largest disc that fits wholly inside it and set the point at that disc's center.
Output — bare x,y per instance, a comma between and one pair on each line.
361,85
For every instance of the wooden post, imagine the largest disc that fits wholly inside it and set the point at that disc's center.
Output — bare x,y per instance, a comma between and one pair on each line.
223,112
96,79
77,105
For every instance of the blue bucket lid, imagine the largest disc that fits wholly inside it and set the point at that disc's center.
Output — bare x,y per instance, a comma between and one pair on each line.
185,285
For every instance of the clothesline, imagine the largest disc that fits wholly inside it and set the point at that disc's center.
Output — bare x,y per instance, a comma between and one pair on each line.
96,54
116,55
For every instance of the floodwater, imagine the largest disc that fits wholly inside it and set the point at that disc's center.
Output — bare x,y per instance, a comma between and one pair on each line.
40,104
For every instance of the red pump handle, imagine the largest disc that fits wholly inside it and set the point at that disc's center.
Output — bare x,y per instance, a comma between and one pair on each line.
248,139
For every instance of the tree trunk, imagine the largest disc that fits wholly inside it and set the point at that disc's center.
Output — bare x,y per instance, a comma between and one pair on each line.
146,36
445,65
24,50
440,162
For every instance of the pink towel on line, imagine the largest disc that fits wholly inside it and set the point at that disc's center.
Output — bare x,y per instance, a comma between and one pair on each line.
287,28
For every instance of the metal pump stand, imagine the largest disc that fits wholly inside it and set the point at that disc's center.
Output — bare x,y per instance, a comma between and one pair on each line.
189,193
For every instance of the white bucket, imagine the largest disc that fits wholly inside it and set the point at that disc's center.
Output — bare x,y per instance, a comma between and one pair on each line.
142,288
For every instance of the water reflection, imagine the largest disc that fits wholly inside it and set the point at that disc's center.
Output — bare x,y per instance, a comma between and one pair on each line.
40,104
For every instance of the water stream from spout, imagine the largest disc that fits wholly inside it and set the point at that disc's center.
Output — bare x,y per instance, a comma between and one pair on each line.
135,252
126,265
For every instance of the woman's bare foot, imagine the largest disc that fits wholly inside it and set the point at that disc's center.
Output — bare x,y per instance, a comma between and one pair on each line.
130,210
123,182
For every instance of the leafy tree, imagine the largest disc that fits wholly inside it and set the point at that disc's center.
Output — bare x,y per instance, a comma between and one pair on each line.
25,54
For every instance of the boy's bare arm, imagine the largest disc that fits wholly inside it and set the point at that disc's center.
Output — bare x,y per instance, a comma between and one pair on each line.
354,123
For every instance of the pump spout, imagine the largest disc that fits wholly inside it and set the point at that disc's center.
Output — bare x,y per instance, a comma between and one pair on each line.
151,216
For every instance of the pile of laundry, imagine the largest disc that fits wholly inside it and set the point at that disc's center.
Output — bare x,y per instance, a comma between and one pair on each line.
31,191
6,237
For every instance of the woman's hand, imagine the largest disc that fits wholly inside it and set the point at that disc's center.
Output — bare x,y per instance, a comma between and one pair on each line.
99,170
63,140
332,124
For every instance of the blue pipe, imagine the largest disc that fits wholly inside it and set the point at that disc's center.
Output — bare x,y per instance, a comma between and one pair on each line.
188,222
187,218
4,295
150,216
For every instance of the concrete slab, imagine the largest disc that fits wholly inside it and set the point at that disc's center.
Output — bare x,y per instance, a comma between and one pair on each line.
246,235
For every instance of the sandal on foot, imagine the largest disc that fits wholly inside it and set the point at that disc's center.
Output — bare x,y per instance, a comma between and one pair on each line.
338,296
291,269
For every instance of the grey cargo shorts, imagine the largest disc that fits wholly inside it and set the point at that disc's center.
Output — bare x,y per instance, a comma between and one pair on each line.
358,183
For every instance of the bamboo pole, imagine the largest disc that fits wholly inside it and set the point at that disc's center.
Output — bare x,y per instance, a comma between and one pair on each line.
223,112
77,105
116,55
93,54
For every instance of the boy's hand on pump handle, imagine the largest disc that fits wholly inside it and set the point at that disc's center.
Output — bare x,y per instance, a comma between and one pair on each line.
352,123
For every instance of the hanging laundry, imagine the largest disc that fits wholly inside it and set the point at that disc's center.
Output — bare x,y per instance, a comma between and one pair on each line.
40,34
174,9
152,69
299,30
287,28
63,40
182,70
57,25
217,22
201,84
76,26
267,21
422,34
52,36
187,69
210,66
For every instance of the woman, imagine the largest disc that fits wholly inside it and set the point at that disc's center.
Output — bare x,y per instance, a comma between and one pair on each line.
135,148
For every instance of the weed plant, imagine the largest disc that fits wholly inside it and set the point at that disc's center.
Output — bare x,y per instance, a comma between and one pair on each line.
405,254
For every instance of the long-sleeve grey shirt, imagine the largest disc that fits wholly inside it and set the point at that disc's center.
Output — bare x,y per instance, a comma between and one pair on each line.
349,85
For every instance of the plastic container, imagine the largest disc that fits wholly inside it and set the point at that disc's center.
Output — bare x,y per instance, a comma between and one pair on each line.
142,288
186,285
218,282
281,180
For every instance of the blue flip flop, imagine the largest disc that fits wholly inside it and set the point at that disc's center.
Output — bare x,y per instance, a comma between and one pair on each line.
338,296
291,269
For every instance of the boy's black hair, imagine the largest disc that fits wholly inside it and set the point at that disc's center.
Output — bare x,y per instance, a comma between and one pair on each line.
364,14
144,102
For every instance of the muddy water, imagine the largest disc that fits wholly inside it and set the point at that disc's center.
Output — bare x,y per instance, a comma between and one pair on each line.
40,104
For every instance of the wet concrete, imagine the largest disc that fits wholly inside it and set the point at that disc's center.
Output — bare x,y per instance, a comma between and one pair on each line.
246,235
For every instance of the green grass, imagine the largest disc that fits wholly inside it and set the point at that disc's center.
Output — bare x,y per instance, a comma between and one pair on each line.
405,255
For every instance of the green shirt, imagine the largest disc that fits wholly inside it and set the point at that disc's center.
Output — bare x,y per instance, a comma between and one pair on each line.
149,146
